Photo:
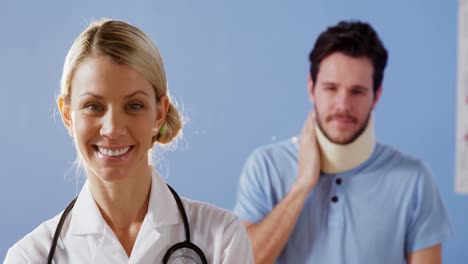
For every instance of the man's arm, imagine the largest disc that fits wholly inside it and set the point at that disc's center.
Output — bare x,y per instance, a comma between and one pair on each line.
269,236
430,255
429,226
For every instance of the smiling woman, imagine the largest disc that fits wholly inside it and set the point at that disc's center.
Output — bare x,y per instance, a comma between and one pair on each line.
114,118
114,103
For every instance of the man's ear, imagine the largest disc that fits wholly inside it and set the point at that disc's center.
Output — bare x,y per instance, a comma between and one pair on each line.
378,93
65,114
310,89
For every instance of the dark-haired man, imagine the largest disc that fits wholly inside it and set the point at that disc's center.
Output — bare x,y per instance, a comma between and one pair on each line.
335,195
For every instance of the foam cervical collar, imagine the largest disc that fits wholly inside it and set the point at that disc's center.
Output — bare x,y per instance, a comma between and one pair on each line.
337,158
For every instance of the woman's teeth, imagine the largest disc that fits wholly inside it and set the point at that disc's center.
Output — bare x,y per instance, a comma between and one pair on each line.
113,153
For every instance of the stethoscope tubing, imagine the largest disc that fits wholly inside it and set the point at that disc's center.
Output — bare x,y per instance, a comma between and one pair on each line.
185,244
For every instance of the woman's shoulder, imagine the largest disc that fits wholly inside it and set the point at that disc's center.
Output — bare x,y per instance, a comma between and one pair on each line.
34,247
198,210
221,227
205,216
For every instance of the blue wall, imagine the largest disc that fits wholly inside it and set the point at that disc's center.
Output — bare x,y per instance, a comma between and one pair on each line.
239,68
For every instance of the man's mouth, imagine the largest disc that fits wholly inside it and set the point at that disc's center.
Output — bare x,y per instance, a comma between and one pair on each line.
343,119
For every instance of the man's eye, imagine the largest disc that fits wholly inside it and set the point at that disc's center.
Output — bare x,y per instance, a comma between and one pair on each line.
93,107
135,106
357,92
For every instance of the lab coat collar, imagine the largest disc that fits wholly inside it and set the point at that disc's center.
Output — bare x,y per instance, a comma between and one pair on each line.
162,207
85,218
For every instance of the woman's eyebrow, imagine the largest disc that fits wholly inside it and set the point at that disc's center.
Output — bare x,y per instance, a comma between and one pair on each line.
135,93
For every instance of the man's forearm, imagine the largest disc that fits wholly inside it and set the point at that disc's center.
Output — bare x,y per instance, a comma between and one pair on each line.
269,236
431,255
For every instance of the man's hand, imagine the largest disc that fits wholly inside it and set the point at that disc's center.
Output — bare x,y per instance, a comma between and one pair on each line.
269,236
309,156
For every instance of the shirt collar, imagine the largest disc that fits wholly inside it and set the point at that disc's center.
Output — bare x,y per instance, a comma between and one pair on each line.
85,218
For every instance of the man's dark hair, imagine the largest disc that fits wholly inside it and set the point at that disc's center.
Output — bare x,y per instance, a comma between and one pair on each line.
352,38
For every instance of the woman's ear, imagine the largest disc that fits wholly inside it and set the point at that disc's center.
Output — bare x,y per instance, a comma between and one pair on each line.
162,107
64,108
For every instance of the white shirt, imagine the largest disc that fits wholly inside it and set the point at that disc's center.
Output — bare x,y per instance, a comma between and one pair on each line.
86,237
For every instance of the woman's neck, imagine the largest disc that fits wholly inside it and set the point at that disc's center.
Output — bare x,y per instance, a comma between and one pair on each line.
123,204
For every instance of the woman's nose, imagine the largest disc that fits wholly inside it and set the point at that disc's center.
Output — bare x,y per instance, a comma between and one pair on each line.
113,124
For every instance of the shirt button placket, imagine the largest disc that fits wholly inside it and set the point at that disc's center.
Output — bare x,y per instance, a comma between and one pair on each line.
336,205
338,182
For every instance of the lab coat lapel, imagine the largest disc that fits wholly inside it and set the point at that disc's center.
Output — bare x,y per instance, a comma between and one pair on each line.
153,240
96,238
162,207
85,217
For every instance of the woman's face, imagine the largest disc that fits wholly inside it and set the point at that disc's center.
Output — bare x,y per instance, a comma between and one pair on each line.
113,116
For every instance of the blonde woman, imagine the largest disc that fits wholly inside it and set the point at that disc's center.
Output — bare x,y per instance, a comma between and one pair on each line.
114,103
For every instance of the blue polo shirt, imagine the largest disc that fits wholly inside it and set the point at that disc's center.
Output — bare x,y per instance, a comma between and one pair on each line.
375,213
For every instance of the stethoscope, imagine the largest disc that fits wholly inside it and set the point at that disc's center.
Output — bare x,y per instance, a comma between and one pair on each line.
169,252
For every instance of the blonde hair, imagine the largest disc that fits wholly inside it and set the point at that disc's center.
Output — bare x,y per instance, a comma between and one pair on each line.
125,44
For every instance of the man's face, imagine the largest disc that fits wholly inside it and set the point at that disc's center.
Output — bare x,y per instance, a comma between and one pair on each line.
343,96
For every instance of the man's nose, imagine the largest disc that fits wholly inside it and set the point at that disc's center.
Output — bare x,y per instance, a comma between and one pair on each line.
343,101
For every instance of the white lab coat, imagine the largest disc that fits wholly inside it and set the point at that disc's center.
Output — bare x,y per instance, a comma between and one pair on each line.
86,237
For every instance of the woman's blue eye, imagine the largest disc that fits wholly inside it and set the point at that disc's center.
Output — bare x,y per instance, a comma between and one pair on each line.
135,106
93,107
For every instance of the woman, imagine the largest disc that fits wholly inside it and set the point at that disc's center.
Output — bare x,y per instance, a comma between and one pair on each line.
114,103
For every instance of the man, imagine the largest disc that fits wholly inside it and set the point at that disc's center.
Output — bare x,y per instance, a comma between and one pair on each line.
335,195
